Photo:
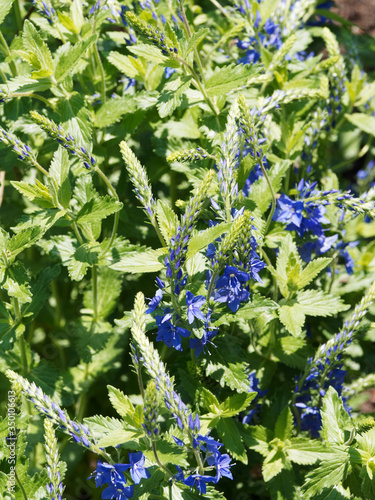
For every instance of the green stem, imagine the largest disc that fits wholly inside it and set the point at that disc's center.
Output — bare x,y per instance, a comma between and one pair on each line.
272,195
17,15
162,466
94,277
47,102
102,74
20,485
40,168
189,34
222,10
275,289
21,340
209,291
117,214
76,232
7,52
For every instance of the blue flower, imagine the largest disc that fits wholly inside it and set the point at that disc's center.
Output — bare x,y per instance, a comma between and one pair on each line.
301,215
155,301
137,469
194,305
118,491
229,288
106,473
199,482
222,464
170,334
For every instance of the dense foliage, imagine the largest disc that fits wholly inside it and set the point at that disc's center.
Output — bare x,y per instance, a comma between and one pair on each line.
215,157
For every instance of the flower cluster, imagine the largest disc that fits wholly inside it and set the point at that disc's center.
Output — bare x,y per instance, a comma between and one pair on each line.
155,36
45,8
189,155
55,488
150,411
22,150
113,476
188,424
79,432
66,140
325,369
139,178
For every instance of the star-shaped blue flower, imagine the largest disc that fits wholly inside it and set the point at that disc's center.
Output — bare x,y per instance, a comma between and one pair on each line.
194,306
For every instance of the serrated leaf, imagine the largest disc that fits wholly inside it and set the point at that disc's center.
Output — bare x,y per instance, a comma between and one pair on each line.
231,438
293,351
319,303
167,220
24,239
69,57
284,425
334,418
257,438
148,52
128,65
5,6
363,122
120,402
126,438
36,51
329,473
229,78
172,94
169,453
306,452
38,193
260,192
204,238
292,317
312,270
148,261
64,248
97,209
235,404
195,40
252,309
108,290
59,171
272,468
113,110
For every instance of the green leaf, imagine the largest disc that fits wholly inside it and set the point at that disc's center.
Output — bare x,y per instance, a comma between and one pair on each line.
231,438
167,219
172,94
319,303
149,261
59,171
38,193
17,282
76,119
284,425
97,209
148,52
305,451
128,65
5,6
257,438
312,270
363,122
24,239
272,468
64,248
120,402
235,404
40,292
260,192
195,40
330,473
256,306
113,110
36,51
334,418
69,57
204,238
229,78
127,438
292,317
108,290
168,453
293,351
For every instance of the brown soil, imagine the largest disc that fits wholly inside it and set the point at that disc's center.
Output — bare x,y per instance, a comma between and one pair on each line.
360,12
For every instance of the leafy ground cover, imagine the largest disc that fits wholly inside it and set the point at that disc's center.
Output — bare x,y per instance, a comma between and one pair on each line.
187,258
